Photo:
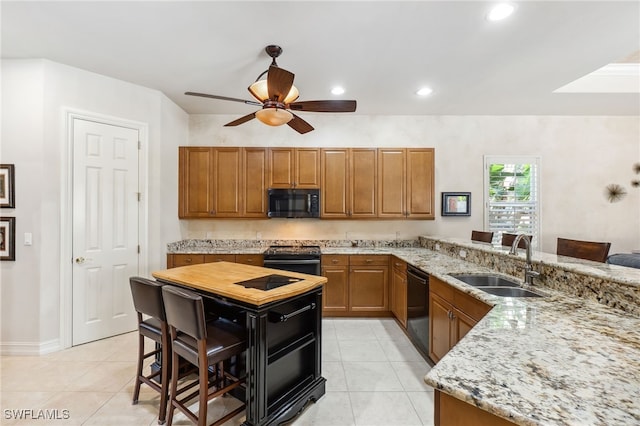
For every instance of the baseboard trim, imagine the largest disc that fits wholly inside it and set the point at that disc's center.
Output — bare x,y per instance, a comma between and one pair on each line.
29,348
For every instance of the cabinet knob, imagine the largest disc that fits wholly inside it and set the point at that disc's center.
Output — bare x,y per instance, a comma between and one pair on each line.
368,260
334,260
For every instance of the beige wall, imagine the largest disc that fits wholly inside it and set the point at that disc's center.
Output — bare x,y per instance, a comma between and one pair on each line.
580,156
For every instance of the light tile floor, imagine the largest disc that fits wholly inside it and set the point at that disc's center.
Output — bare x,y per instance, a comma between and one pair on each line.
374,377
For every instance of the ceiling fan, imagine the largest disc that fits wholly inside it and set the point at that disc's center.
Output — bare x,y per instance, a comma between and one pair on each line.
277,96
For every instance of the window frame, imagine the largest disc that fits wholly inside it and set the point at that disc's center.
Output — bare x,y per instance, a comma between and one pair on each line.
534,160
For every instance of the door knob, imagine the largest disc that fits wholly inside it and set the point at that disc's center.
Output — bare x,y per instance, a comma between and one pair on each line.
80,260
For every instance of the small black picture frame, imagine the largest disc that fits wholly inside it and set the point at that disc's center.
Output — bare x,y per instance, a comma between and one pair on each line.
7,186
7,238
456,204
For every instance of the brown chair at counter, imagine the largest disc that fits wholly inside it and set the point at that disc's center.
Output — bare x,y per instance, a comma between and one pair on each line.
482,236
589,250
204,344
507,240
147,300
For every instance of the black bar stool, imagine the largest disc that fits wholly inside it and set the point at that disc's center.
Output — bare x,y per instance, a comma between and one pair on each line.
147,300
203,344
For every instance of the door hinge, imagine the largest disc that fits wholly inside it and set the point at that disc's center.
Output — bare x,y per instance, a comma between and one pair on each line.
139,144
138,249
139,195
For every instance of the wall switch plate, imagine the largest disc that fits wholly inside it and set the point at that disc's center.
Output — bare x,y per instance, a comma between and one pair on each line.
463,254
258,235
437,246
28,238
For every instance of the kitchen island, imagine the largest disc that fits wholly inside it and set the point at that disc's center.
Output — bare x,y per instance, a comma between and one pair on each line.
281,311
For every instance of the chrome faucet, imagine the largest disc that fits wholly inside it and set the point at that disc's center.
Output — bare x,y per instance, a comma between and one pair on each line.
529,273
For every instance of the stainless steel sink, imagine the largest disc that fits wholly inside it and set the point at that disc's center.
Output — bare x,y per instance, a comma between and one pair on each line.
509,291
485,280
496,285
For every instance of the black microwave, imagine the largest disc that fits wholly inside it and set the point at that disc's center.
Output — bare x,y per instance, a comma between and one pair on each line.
294,202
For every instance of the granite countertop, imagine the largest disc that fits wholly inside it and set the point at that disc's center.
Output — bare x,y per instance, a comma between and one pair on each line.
556,360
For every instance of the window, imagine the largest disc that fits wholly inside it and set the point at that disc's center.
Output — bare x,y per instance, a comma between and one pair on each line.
512,201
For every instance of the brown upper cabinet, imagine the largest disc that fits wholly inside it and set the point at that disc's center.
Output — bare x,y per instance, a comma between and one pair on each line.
294,168
356,183
406,183
348,182
221,182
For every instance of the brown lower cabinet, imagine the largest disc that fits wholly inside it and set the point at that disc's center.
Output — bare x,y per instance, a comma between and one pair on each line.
358,285
450,411
176,260
452,314
399,290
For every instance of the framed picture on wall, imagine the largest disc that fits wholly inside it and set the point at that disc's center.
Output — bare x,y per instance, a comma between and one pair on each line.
7,185
456,204
7,238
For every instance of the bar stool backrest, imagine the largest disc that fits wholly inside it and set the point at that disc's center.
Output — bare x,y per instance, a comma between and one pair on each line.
185,311
482,236
147,297
508,239
589,250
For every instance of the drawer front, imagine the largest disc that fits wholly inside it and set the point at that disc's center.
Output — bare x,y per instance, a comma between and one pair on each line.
187,259
398,265
250,259
366,260
471,306
441,288
208,258
335,260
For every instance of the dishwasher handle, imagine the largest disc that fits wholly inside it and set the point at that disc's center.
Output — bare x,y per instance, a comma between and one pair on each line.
417,275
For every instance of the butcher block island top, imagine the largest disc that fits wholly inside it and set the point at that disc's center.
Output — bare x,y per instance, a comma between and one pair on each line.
223,278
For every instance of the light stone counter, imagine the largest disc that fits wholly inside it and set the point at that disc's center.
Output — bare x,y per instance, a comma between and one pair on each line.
566,359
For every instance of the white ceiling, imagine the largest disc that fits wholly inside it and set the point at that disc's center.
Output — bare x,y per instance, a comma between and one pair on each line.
380,51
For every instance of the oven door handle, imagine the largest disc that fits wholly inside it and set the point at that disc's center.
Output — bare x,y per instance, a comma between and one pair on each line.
292,262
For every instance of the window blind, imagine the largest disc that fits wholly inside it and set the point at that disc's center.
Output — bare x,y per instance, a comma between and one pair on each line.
512,196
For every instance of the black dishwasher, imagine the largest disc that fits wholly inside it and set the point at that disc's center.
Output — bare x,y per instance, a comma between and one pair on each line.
418,309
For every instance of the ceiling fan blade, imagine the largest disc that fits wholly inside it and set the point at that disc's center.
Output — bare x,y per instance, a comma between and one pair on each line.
324,106
279,82
224,98
299,125
241,120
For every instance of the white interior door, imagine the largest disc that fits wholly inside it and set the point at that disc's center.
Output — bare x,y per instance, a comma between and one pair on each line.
105,229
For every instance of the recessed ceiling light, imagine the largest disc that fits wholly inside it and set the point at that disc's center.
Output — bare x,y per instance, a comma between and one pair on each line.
500,12
424,91
337,90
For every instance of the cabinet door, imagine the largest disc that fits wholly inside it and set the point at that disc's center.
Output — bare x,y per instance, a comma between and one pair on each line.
195,182
368,288
335,293
391,183
227,182
307,168
363,182
439,327
254,200
399,295
281,167
420,187
335,183
462,324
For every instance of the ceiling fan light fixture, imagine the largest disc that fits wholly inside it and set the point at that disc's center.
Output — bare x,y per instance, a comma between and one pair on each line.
260,91
274,116
424,91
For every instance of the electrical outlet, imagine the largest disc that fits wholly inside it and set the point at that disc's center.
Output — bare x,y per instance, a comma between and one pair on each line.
463,254
258,235
437,247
